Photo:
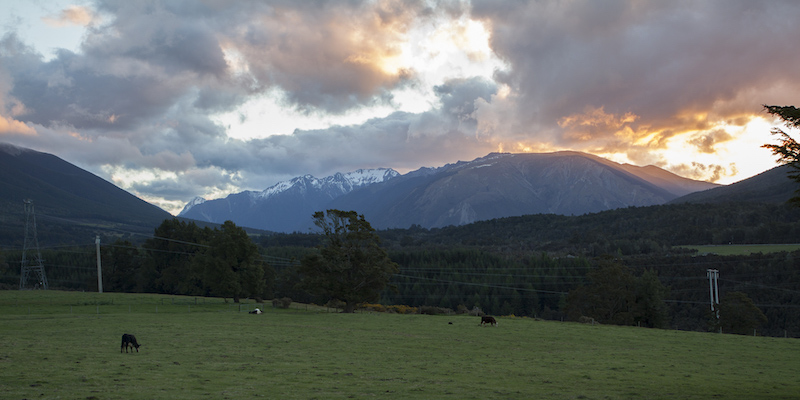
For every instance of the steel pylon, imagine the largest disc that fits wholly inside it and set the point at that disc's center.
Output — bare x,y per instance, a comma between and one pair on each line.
31,268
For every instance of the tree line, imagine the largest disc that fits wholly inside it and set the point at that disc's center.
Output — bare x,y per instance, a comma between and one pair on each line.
455,268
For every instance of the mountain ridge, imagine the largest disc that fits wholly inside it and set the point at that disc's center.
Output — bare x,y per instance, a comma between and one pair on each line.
493,186
505,184
61,190
298,196
771,186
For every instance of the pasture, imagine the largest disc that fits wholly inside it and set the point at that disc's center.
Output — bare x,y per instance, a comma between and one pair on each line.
67,345
743,249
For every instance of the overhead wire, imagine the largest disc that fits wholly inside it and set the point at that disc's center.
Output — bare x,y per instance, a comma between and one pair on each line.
282,261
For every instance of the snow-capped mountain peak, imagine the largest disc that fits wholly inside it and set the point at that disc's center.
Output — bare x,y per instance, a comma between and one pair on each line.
338,182
195,201
279,206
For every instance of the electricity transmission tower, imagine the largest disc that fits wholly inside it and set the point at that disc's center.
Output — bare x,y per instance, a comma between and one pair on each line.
34,268
713,286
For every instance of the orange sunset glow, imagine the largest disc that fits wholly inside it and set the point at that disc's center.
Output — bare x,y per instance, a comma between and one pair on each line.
172,101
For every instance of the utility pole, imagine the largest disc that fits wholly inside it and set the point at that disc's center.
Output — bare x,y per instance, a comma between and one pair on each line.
31,241
99,268
713,276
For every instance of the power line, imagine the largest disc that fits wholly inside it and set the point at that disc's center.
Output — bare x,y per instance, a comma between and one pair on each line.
481,284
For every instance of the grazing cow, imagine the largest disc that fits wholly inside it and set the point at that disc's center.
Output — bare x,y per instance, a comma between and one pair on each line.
488,319
129,340
256,311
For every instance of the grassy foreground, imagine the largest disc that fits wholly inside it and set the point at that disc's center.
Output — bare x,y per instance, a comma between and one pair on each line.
60,345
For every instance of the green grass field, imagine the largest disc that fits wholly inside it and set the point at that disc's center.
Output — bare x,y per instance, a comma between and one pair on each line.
66,346
743,249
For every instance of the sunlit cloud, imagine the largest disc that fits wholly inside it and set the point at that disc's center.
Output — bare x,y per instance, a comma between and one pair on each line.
12,126
72,15
173,100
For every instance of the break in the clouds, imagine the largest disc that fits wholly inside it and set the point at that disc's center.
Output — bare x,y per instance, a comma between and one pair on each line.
157,95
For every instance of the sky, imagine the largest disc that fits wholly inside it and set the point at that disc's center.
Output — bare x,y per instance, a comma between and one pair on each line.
176,99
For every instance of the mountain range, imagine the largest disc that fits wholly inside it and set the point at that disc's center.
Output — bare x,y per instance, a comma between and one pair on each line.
494,186
497,185
286,206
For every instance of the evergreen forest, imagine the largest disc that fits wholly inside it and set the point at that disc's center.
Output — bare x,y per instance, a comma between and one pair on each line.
627,267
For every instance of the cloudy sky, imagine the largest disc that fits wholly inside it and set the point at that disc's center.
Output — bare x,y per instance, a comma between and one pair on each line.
175,99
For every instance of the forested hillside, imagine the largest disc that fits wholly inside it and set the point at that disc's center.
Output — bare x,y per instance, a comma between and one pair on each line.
538,266
629,231
528,265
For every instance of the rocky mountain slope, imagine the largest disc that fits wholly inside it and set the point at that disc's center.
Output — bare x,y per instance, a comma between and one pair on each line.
498,185
502,185
286,206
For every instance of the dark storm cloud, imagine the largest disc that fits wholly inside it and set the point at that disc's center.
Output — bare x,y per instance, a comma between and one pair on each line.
154,54
399,140
674,66
140,93
458,96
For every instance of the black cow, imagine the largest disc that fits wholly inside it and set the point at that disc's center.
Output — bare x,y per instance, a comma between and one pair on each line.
488,319
129,340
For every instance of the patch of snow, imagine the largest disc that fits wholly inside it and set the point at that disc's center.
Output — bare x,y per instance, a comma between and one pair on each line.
195,201
483,165
276,188
338,182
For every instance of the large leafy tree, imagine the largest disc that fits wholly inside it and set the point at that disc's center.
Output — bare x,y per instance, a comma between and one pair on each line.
120,264
788,149
232,266
185,259
738,314
651,311
616,296
350,265
609,299
170,264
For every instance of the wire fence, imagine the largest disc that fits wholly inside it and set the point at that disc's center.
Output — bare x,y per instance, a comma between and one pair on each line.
176,305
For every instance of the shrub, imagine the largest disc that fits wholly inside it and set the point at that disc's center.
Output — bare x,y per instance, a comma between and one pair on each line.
477,312
431,310
403,309
392,309
335,303
373,307
284,302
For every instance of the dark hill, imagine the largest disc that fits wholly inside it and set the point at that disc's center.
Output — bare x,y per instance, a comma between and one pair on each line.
772,187
64,194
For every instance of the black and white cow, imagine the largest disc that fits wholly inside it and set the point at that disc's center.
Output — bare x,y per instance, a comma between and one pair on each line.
129,340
